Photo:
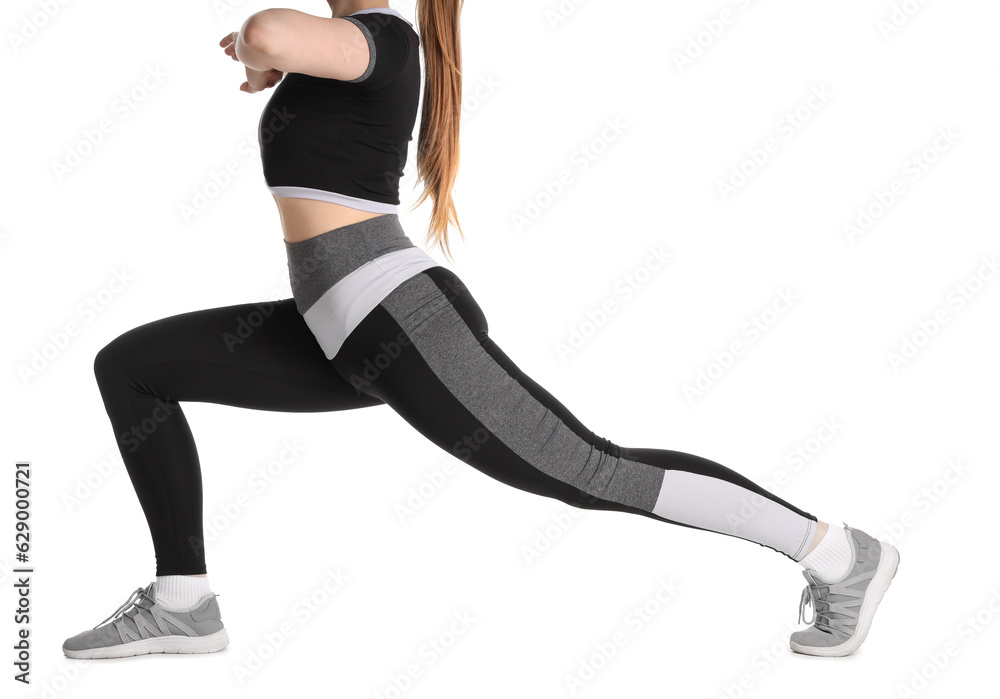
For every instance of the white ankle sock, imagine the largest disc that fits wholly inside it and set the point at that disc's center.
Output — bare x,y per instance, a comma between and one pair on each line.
180,591
832,557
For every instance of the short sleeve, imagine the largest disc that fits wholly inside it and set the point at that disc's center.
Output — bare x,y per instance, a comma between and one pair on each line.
388,48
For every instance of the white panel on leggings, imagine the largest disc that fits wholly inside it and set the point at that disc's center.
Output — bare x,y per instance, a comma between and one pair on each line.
345,304
718,505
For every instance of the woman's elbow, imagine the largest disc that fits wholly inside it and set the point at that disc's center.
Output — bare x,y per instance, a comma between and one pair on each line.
254,42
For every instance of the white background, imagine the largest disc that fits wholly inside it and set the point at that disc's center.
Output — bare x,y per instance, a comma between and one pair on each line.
555,85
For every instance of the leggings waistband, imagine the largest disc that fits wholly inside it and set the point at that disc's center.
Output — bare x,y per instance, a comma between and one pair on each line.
338,277
316,264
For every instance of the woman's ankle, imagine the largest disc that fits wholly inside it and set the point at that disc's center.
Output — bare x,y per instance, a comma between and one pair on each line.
821,529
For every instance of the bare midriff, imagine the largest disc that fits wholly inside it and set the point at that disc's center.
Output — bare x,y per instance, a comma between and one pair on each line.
302,219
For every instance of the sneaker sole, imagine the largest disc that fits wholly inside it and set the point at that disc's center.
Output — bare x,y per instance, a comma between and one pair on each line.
160,644
886,571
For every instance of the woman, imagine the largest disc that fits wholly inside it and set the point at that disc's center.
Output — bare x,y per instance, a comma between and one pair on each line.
374,320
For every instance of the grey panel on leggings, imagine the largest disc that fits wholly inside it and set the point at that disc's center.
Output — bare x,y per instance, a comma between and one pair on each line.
316,264
535,434
505,407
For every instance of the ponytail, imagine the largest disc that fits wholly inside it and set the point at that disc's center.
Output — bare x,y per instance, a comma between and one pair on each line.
437,144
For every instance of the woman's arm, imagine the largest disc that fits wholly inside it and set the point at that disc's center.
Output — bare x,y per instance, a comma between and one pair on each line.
248,48
295,42
244,46
257,80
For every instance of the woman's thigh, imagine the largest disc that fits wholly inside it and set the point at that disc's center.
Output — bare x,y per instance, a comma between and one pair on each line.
253,355
425,351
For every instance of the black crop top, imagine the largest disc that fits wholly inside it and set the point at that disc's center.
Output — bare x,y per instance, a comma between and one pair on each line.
345,141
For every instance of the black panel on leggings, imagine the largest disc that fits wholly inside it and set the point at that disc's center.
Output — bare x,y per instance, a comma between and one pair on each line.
412,389
260,356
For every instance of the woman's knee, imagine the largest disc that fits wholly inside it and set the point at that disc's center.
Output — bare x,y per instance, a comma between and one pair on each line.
108,362
120,359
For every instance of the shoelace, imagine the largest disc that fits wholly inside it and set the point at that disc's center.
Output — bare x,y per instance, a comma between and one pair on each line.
810,595
848,608
134,599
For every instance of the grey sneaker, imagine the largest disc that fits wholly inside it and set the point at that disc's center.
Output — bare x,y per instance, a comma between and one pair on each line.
141,626
843,609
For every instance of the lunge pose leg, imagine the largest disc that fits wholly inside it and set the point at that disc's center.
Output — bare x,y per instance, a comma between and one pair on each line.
400,328
375,320
254,355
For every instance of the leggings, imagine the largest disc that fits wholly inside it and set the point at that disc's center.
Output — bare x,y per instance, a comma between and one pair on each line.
374,321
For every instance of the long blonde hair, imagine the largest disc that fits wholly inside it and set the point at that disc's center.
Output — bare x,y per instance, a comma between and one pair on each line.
437,144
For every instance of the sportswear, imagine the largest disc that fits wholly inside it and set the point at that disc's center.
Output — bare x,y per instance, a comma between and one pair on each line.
181,591
346,141
843,609
832,557
374,321
141,626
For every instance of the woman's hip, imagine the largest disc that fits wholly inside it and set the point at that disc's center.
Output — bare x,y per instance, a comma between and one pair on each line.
429,322
340,276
